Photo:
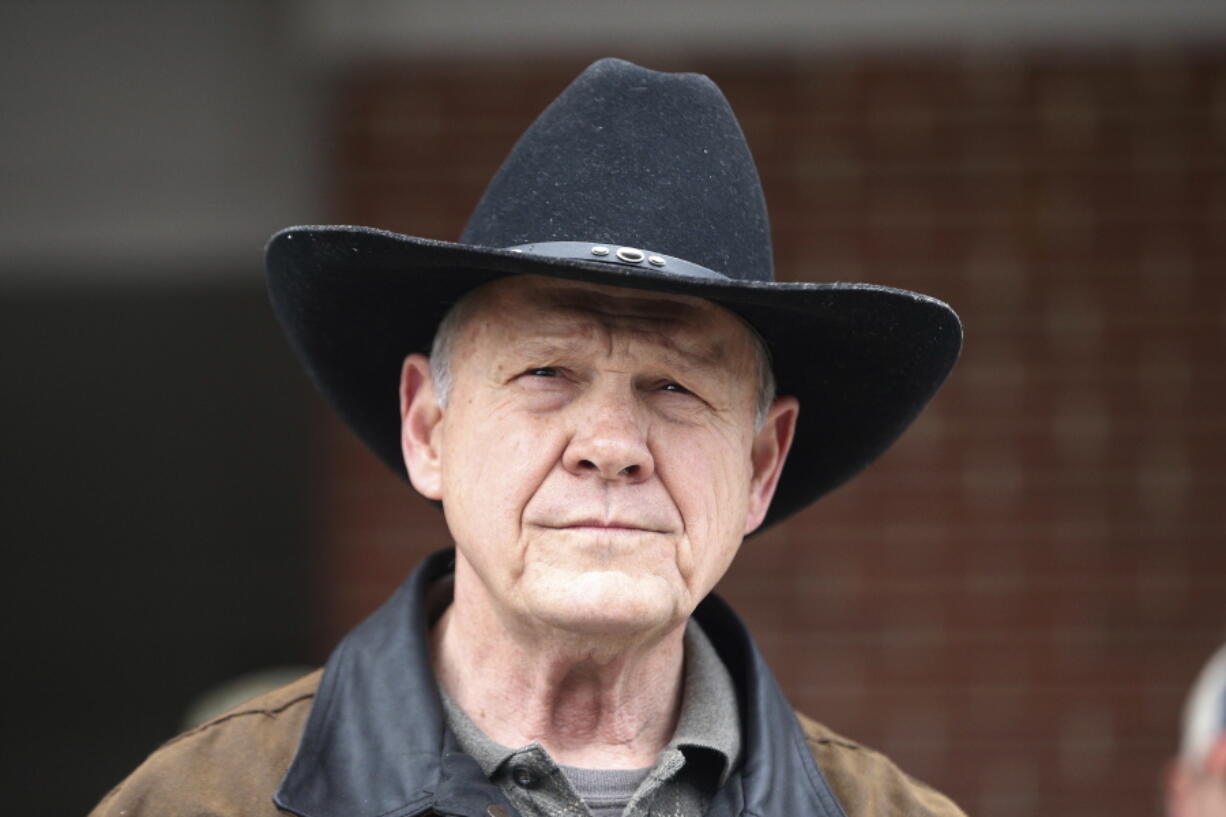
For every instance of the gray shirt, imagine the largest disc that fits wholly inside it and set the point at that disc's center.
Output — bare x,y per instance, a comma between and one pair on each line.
702,752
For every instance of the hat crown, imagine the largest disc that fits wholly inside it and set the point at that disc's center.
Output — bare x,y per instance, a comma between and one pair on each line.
633,157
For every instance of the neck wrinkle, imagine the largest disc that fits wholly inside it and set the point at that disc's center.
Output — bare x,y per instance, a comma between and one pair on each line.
612,707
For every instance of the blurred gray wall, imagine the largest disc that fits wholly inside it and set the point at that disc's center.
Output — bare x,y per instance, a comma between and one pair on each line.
150,140
340,29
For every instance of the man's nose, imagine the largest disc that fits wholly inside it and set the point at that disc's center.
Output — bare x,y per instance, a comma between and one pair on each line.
610,439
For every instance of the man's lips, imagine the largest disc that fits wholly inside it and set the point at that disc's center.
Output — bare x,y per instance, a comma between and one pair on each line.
611,525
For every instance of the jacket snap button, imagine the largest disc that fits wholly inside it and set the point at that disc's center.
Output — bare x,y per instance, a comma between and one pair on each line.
523,777
497,811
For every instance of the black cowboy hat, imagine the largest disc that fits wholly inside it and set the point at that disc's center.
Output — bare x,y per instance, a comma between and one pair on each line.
638,179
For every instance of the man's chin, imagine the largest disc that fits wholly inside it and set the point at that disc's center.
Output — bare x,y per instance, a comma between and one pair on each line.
606,603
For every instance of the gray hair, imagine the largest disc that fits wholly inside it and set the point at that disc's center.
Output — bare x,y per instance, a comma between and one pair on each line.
448,333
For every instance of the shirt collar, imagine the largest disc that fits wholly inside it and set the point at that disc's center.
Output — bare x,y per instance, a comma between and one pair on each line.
710,717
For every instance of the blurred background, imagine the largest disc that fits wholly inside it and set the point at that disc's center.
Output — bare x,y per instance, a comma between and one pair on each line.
1011,602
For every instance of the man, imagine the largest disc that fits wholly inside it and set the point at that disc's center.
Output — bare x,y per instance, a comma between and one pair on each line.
1196,780
598,417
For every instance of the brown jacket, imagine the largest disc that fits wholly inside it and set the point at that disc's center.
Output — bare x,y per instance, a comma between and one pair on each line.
231,765
367,739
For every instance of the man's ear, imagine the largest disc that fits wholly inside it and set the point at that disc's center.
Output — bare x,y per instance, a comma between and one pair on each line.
770,450
421,427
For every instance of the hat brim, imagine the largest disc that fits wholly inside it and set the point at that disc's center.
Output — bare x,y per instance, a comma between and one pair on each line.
861,359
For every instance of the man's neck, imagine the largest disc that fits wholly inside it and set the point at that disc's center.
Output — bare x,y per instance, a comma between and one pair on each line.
591,705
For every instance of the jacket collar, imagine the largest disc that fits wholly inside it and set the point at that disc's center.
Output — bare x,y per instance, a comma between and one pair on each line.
376,744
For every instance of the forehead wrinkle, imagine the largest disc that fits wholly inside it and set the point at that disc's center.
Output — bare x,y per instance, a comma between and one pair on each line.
554,341
696,334
657,320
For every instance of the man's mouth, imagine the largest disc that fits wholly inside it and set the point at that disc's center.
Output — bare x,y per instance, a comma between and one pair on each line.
606,525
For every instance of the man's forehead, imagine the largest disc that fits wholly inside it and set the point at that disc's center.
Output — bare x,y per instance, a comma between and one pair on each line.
709,331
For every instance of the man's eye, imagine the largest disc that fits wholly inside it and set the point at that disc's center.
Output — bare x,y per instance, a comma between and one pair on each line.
675,387
542,371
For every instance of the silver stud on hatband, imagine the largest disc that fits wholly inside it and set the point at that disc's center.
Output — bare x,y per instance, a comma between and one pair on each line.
599,250
630,254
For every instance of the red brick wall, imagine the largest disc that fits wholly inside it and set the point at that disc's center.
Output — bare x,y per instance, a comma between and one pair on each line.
1014,599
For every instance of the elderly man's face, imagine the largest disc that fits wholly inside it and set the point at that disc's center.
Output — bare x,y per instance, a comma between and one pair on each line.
597,457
